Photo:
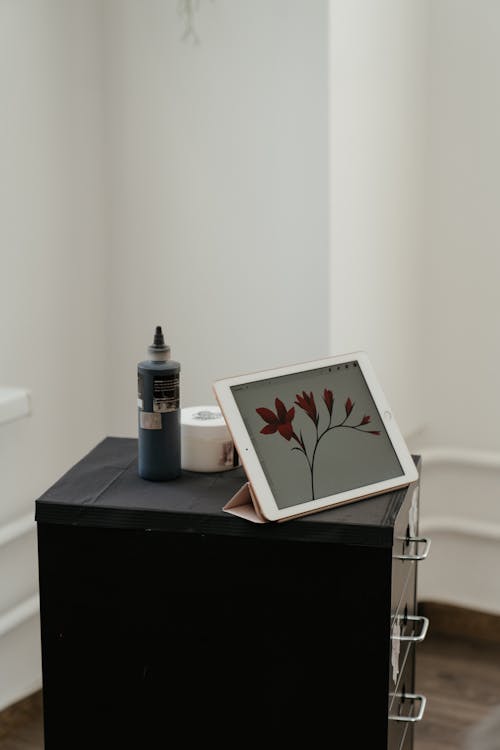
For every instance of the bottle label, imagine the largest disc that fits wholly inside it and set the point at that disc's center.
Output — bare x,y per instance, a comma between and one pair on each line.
149,420
165,393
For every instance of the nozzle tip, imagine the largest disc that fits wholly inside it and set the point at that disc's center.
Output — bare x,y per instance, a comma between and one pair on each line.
158,337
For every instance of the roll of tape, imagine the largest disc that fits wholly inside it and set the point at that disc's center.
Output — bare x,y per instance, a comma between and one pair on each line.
206,443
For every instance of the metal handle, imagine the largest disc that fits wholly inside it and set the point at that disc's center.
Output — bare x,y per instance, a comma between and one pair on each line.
413,638
416,539
409,717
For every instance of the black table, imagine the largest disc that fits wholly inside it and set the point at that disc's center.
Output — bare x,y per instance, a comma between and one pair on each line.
166,622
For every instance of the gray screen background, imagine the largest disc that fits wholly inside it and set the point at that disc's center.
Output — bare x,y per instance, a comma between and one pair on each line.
345,458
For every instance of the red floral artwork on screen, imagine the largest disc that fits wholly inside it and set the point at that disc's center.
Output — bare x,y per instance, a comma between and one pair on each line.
282,422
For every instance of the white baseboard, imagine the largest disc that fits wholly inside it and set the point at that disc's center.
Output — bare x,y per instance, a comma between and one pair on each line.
20,657
20,671
17,615
16,528
460,511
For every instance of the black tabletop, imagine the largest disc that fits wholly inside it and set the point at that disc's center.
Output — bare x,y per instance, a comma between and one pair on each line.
104,490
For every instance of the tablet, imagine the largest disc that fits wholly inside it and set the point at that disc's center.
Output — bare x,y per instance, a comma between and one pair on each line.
314,435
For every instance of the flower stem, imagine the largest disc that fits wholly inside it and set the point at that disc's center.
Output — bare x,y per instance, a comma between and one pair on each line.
301,446
318,438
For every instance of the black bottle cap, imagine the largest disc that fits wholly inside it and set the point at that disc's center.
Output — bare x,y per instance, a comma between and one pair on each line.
159,339
158,347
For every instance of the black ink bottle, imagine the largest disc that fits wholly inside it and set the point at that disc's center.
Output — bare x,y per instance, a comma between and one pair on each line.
159,421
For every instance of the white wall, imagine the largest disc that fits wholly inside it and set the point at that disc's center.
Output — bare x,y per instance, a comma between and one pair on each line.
460,310
378,121
415,237
219,189
462,313
52,277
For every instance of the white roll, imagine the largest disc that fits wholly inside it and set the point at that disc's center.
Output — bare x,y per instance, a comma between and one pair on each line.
206,443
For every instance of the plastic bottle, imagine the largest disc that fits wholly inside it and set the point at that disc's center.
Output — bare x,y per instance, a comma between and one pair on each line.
158,404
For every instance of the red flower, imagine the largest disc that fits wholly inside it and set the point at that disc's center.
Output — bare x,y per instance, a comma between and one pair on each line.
348,406
306,402
280,422
374,432
365,420
328,399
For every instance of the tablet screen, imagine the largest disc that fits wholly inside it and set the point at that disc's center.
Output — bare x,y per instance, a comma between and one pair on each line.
316,433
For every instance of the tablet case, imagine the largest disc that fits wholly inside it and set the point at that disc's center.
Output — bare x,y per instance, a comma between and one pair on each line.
245,505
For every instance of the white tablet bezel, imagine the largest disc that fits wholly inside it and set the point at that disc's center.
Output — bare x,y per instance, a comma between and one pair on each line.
248,456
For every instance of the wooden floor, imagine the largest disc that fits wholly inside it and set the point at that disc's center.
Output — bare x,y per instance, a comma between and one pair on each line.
21,725
459,676
461,679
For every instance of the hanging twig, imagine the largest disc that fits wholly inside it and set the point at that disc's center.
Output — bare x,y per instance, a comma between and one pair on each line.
186,10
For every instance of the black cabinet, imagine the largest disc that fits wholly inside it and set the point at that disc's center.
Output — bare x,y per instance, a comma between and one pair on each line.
166,622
